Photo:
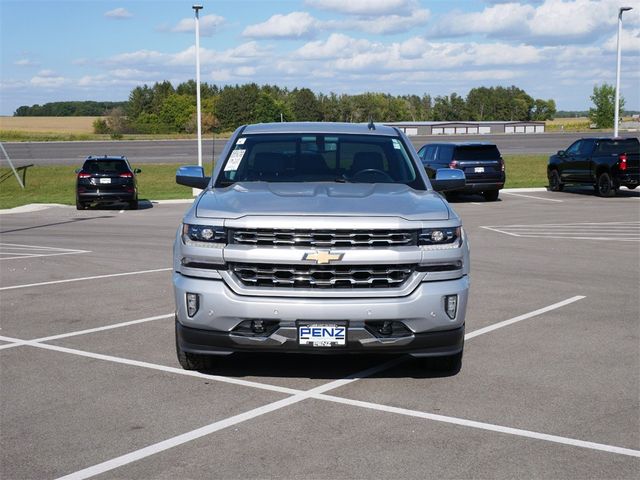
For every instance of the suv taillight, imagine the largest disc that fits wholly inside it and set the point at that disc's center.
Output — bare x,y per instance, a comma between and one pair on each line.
622,160
453,164
84,175
126,175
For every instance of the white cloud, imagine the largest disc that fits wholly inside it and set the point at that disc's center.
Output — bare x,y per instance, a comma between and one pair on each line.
48,79
546,22
337,45
504,17
629,40
365,7
383,25
118,14
292,25
208,25
25,62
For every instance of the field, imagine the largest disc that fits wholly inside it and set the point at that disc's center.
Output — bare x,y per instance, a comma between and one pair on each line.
56,183
48,124
571,124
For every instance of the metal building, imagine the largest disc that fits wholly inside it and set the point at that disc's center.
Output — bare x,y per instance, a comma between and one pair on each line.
468,128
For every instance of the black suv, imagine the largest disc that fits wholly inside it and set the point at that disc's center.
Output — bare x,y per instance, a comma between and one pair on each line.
481,163
106,180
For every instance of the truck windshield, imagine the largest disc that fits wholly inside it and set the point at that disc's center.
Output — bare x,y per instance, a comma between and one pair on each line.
319,158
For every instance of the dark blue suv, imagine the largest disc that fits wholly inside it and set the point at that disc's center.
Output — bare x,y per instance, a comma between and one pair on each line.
481,163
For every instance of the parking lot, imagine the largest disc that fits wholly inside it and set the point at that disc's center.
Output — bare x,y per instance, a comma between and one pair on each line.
549,386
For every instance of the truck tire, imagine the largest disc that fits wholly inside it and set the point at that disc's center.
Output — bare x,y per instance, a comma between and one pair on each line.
604,185
491,195
192,361
555,185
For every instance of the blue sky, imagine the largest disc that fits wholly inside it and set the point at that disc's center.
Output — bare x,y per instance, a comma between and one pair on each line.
101,49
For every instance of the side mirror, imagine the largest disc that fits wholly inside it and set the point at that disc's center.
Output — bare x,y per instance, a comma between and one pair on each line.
448,179
137,170
561,153
192,176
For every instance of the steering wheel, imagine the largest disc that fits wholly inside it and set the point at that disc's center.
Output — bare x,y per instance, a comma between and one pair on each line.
368,173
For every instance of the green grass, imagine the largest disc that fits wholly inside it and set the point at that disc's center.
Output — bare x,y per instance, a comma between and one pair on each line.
56,184
526,170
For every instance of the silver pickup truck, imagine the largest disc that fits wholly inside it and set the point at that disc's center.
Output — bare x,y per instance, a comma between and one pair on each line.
320,238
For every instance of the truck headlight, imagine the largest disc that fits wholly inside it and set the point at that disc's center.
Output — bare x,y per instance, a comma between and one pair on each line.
440,238
209,234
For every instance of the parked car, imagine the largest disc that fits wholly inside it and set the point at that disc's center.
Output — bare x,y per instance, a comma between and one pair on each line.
106,180
481,163
605,163
320,238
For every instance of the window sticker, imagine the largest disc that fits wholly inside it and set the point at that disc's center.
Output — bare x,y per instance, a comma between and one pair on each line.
396,144
241,141
234,160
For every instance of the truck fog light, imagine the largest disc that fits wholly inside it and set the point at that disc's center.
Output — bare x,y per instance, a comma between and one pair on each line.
193,303
451,305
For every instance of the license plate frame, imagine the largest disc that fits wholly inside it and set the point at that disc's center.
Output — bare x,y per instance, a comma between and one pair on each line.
105,181
322,333
478,170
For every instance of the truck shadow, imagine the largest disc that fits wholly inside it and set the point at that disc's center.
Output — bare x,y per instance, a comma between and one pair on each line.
589,191
322,367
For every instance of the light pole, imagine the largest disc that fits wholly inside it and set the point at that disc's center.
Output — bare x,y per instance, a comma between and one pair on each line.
197,9
617,105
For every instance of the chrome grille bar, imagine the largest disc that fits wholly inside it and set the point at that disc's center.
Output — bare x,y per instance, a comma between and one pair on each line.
325,238
322,276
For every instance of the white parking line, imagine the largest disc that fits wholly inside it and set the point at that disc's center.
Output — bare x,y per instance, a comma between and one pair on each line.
89,330
534,197
14,251
95,277
610,231
297,396
483,426
219,425
520,318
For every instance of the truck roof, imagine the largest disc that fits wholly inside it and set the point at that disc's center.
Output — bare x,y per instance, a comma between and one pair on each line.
320,127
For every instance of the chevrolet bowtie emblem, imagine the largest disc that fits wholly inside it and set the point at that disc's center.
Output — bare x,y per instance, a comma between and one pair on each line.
323,258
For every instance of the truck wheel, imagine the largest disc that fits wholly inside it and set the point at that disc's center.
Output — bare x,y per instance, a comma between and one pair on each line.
491,195
555,185
604,185
192,361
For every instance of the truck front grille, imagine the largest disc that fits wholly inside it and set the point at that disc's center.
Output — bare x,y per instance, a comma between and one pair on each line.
322,276
324,238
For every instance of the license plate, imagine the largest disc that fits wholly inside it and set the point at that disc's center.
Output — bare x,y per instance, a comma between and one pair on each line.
478,170
105,180
322,335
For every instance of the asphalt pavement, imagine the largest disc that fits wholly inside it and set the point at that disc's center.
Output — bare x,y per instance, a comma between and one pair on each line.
185,151
548,387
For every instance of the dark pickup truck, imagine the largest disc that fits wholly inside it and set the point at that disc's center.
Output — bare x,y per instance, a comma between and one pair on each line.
605,163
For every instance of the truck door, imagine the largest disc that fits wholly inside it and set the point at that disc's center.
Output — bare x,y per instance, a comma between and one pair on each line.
583,160
569,164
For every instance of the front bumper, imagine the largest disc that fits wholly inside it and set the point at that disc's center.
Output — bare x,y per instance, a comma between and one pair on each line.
213,329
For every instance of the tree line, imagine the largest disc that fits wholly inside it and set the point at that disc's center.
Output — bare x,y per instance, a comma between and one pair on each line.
68,109
163,108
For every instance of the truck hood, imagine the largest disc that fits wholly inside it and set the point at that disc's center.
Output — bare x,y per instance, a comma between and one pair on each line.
325,199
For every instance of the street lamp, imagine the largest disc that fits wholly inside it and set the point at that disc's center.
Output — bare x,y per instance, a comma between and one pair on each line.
617,105
197,9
